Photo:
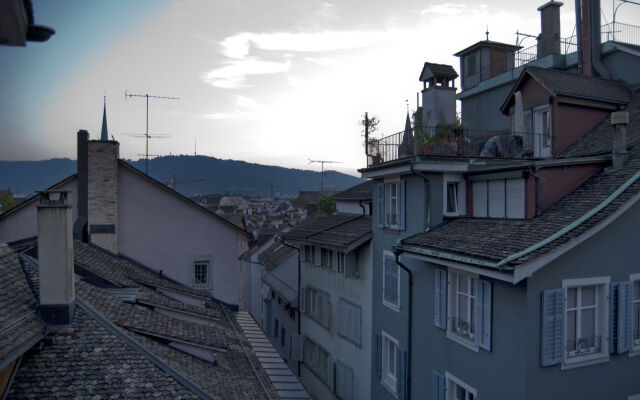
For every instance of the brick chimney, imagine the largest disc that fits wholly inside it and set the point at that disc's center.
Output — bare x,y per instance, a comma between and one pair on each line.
55,257
588,34
102,193
549,38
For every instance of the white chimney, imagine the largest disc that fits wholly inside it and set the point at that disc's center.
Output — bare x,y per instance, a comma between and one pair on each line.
55,258
102,196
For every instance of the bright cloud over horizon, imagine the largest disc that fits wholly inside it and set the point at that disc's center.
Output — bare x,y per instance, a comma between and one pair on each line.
277,83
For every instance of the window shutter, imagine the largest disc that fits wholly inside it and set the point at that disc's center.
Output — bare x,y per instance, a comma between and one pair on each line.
479,199
438,385
496,199
326,315
625,338
401,378
390,280
344,382
334,260
378,355
344,319
331,373
613,317
441,299
380,205
515,198
296,347
552,327
317,256
350,265
483,314
356,324
401,206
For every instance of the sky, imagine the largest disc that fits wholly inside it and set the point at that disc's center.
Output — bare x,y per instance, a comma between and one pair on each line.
272,82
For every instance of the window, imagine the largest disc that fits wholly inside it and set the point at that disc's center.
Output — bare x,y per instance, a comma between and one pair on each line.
463,305
458,390
579,314
635,310
389,366
344,382
340,262
283,333
349,322
471,65
318,360
391,207
201,274
542,132
275,330
499,198
317,306
326,257
309,254
390,282
462,301
452,197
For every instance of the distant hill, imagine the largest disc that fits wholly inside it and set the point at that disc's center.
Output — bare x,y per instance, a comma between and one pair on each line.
219,176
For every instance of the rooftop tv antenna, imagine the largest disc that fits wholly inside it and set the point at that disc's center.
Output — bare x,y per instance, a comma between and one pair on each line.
147,97
322,163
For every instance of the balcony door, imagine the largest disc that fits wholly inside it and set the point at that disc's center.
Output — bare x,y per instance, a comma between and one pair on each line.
542,132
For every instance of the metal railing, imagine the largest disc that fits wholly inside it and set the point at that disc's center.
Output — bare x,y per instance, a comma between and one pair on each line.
458,142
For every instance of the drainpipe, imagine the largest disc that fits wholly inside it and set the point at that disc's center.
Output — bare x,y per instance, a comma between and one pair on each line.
396,253
299,294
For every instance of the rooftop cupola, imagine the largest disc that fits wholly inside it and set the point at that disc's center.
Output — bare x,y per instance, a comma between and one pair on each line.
484,60
438,94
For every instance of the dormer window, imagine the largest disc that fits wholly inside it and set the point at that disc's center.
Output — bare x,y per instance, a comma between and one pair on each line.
499,198
542,132
454,195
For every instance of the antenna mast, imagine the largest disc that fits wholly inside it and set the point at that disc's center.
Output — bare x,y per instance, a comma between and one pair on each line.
147,96
322,163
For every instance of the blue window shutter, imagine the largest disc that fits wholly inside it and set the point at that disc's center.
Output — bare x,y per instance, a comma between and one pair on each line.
483,315
390,280
301,299
401,206
613,317
380,205
378,356
625,290
331,373
439,386
441,299
552,327
401,378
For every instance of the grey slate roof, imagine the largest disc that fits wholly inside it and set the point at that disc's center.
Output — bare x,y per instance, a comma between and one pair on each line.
19,324
281,276
569,84
496,239
361,191
87,360
430,70
275,255
337,230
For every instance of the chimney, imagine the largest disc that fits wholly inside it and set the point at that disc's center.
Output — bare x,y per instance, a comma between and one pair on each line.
55,257
549,38
588,34
438,94
102,193
80,229
620,120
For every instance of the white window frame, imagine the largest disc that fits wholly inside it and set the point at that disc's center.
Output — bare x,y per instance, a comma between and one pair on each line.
327,260
601,323
461,195
390,211
453,293
339,260
542,143
394,307
635,318
389,377
196,282
452,382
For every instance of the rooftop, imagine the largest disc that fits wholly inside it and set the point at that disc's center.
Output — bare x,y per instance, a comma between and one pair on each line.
342,231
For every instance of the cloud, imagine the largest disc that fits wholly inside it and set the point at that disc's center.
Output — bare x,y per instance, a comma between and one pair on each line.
325,61
245,108
234,74
446,9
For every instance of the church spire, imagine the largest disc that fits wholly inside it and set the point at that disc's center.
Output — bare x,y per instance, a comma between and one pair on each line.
104,135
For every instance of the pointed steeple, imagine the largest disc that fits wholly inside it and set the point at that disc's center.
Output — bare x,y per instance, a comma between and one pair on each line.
104,135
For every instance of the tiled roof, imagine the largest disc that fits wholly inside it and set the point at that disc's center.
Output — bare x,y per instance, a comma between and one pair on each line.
19,324
338,230
576,85
362,191
88,360
276,254
440,70
496,239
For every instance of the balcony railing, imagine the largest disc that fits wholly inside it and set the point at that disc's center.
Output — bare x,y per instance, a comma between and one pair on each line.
458,142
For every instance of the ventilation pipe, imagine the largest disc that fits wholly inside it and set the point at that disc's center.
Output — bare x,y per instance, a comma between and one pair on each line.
620,120
588,34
